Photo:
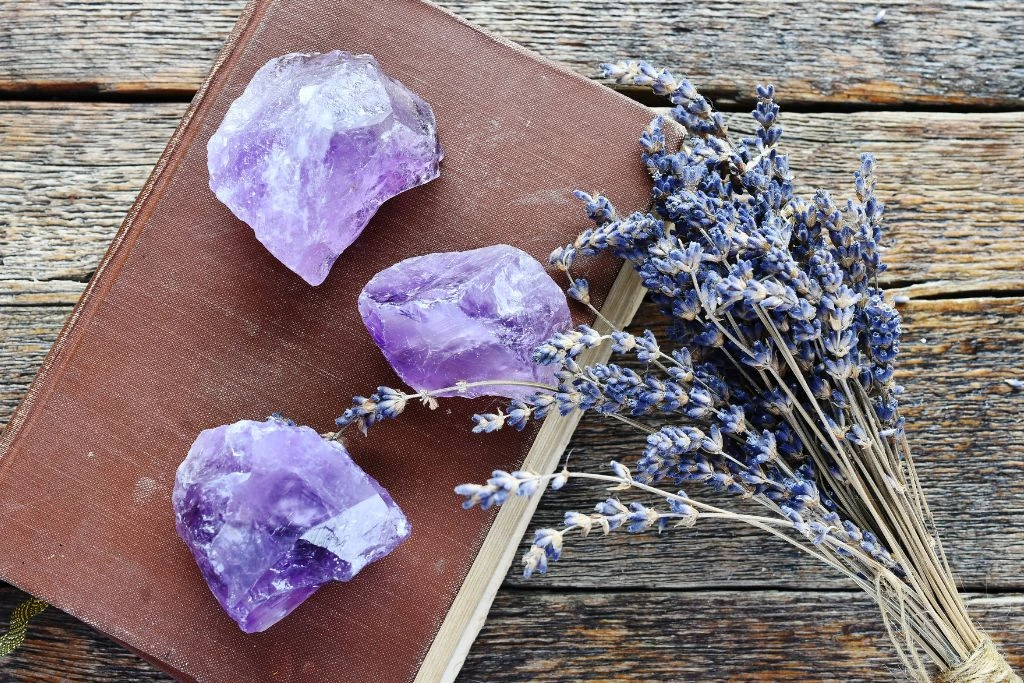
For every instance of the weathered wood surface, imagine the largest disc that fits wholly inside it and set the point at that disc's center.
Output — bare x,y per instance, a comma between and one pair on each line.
666,636
689,605
622,636
69,174
934,52
71,170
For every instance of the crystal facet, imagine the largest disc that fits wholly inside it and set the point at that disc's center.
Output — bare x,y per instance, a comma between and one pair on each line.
272,511
465,316
313,147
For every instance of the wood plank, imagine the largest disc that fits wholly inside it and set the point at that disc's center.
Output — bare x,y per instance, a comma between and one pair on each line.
26,334
116,46
705,636
538,636
963,421
68,175
70,171
924,52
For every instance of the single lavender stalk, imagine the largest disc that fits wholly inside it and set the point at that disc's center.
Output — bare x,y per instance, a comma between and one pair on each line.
777,386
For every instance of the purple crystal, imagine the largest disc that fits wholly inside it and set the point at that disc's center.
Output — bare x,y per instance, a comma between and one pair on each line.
313,147
465,315
272,511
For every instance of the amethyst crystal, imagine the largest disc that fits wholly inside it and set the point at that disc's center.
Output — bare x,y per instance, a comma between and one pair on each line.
312,148
465,316
272,511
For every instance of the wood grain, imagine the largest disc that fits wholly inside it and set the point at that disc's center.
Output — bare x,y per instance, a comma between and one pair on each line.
750,637
704,636
924,52
26,334
963,421
68,175
70,171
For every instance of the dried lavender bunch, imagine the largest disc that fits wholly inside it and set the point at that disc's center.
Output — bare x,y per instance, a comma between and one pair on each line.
775,383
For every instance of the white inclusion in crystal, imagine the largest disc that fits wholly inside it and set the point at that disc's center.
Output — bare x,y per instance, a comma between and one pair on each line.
306,93
356,536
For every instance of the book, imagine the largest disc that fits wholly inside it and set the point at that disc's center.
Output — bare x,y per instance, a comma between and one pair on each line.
189,323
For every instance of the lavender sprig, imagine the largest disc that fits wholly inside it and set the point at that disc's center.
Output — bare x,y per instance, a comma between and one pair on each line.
781,387
773,383
388,403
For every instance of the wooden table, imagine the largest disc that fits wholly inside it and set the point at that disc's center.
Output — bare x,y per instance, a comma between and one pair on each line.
92,90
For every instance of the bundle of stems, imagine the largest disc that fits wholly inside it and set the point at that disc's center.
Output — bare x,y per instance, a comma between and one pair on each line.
777,386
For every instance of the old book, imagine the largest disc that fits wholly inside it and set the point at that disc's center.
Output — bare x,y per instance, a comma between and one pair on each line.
189,323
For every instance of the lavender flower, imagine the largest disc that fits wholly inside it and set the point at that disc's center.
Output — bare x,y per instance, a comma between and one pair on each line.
774,383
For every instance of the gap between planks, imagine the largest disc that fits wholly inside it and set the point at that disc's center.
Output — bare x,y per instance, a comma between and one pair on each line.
726,102
67,292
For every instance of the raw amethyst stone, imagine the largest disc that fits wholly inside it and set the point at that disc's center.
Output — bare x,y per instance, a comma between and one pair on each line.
313,147
272,511
465,315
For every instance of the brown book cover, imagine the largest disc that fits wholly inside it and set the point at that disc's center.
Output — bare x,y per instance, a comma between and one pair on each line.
189,323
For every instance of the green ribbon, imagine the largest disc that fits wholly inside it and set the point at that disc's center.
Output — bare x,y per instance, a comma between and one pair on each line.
15,636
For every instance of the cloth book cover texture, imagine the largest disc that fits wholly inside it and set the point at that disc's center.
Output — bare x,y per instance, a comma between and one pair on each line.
189,323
